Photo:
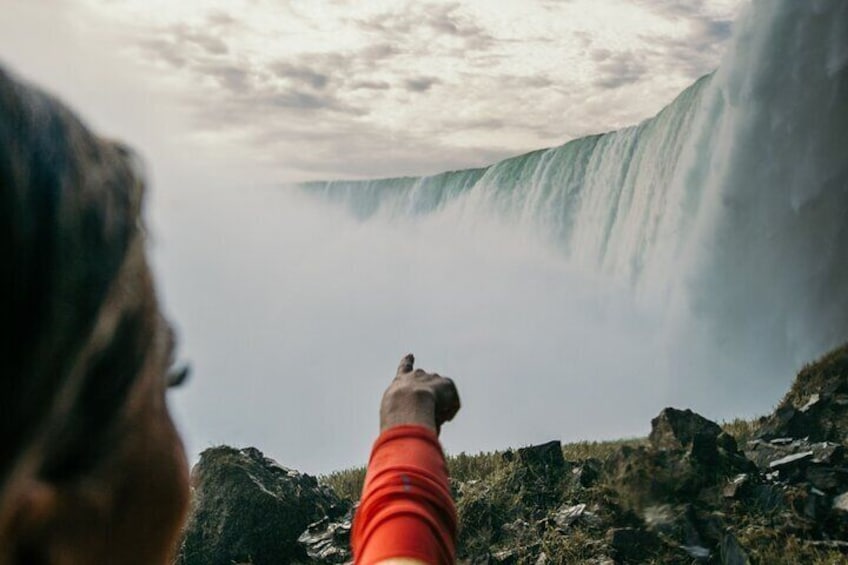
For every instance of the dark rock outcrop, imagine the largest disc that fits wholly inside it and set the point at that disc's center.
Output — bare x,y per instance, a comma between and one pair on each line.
248,509
545,456
686,455
327,540
816,407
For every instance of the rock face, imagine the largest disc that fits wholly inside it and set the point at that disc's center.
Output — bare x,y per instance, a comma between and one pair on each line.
248,509
816,407
327,540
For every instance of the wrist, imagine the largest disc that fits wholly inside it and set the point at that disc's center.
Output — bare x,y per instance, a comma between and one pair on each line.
408,406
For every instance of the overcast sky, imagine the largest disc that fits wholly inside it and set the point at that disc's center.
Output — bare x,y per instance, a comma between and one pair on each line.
294,315
332,89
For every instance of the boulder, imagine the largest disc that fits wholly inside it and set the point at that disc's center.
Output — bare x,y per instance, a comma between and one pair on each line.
686,454
680,429
547,455
246,508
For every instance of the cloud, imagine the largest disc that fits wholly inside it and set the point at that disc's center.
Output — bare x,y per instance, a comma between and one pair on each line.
163,50
221,19
346,76
439,19
370,85
313,78
698,51
617,69
420,84
210,42
236,80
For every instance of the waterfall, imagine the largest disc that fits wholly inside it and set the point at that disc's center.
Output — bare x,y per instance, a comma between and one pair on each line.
731,202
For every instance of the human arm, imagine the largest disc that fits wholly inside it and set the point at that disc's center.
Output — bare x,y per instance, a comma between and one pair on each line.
406,511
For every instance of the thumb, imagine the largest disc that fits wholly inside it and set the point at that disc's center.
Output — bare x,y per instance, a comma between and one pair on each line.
406,364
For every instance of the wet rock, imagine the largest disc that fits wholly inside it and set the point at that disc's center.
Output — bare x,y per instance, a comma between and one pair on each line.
632,544
547,455
327,540
731,551
246,508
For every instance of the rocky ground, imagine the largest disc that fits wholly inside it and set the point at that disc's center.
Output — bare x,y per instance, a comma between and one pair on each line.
689,493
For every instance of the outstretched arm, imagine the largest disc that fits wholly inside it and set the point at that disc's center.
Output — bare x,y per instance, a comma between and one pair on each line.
406,515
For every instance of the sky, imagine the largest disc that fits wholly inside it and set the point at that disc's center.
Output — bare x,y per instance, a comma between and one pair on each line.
293,314
320,89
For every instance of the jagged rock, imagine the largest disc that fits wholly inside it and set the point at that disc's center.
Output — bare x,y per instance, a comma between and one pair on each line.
547,455
792,466
680,429
246,508
766,453
731,552
327,540
632,544
566,516
687,453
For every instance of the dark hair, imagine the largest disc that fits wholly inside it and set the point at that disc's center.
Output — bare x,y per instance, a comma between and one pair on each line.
76,298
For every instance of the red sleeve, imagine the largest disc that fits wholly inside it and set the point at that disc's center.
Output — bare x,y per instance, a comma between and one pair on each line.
406,508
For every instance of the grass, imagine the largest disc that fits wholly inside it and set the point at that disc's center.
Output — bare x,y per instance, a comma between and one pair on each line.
493,495
478,467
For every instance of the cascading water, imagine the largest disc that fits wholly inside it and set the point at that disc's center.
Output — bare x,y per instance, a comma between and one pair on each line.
727,210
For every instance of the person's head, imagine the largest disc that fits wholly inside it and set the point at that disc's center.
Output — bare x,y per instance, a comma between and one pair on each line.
91,468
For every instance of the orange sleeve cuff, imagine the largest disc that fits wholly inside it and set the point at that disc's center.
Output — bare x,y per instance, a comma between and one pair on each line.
406,508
